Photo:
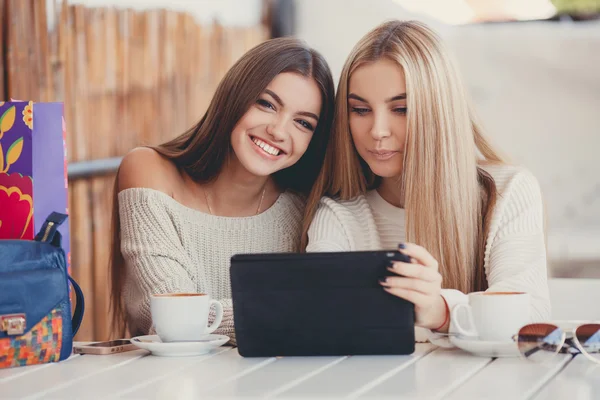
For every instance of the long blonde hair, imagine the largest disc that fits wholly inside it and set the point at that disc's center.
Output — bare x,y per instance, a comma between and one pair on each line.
448,197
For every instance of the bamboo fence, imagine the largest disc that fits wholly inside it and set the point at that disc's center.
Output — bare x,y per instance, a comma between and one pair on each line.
126,78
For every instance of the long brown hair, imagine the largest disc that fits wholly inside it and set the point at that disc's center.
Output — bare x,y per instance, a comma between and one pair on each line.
201,151
448,196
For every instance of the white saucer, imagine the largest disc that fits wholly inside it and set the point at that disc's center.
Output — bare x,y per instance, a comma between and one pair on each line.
179,349
486,348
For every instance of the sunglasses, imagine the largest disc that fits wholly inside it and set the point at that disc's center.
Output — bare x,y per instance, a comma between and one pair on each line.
540,342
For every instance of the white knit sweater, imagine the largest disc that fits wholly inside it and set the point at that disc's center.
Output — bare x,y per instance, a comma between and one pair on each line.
169,247
515,255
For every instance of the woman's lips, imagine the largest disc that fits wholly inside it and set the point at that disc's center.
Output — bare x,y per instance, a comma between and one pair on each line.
383,154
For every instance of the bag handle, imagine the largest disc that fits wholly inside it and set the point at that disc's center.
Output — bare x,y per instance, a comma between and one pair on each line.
49,231
79,307
49,234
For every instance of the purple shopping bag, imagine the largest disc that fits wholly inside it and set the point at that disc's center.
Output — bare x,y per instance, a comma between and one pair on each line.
33,169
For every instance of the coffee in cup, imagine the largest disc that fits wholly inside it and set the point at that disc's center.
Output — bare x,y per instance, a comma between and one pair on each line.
492,316
183,316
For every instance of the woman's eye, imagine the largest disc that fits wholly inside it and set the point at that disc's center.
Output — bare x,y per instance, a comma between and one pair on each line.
400,110
305,124
265,103
359,110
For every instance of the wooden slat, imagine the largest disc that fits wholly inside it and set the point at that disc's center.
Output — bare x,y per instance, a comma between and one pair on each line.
3,22
97,70
205,60
417,381
526,378
59,45
102,186
29,49
53,65
39,58
57,59
81,221
151,125
122,100
114,376
10,48
11,51
578,380
216,43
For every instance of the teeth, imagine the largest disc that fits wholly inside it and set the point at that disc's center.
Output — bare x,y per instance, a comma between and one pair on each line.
268,149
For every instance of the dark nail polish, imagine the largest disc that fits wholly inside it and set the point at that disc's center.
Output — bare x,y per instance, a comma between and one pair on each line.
402,246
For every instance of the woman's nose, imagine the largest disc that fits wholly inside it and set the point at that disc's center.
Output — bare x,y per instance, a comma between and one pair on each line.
381,127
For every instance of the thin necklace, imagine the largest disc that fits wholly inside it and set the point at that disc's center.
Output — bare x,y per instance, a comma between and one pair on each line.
259,203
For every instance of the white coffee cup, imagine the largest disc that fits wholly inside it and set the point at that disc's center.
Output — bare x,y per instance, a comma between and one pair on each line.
183,316
492,316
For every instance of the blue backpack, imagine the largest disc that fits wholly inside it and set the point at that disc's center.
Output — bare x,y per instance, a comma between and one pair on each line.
36,325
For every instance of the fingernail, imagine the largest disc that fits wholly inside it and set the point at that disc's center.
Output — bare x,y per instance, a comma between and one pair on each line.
383,280
402,246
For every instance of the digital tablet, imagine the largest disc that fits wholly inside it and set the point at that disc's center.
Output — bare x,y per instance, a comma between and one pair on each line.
318,304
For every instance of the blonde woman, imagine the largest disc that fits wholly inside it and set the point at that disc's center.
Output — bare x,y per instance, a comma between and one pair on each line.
407,163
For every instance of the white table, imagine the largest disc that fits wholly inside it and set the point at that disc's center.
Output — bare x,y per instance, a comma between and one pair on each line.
429,373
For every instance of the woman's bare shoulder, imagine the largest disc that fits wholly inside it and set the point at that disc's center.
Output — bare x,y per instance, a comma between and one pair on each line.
144,167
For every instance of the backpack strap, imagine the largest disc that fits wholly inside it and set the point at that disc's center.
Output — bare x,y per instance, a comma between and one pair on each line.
79,307
49,234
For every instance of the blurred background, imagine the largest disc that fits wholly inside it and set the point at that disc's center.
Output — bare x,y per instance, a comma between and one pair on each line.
137,72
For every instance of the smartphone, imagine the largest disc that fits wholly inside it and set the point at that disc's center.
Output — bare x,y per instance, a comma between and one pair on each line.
110,347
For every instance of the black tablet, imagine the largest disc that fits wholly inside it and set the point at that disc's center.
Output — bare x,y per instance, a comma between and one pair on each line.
317,304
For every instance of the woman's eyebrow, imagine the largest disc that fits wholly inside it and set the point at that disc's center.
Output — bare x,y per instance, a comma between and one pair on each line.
401,96
356,97
280,102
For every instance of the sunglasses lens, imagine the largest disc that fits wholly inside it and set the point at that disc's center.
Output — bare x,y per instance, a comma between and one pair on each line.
589,338
540,342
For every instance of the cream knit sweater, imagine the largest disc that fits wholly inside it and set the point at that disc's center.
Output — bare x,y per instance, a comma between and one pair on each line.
172,248
515,255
